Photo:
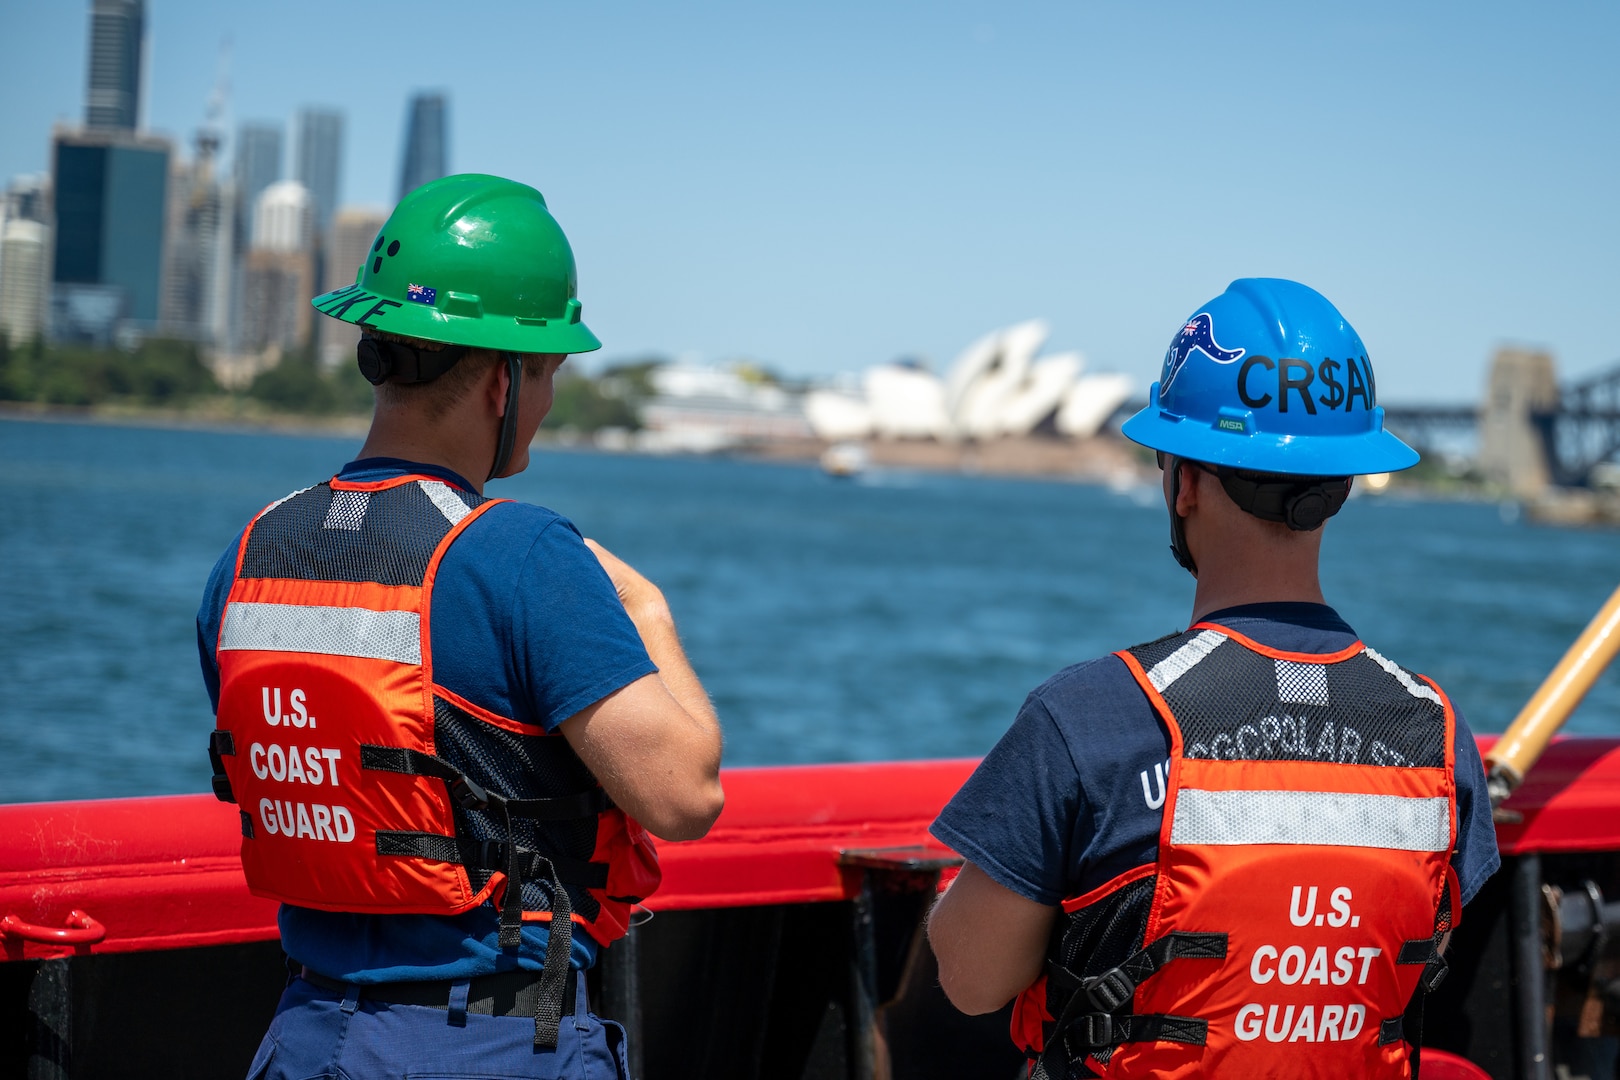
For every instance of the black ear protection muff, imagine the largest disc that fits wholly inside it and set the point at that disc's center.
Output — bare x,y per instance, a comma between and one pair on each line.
1302,503
381,360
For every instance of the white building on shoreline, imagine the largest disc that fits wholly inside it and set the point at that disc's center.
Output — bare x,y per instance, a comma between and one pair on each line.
997,387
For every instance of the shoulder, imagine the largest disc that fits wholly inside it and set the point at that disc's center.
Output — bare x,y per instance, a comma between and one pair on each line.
1100,672
508,517
1103,719
1090,688
507,536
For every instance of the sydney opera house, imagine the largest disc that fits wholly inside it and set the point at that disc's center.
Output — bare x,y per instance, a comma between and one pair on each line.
998,387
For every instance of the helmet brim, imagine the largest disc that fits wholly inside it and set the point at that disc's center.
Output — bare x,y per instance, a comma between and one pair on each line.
1376,451
501,333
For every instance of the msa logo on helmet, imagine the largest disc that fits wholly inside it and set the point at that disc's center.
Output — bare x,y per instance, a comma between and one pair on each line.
1199,334
1300,376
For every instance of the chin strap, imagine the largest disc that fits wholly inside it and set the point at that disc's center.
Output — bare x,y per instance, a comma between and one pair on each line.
1178,530
508,435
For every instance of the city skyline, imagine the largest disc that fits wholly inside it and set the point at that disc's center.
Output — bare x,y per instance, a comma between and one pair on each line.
828,190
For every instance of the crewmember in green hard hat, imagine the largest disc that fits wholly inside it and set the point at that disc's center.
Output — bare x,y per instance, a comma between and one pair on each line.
1237,850
448,721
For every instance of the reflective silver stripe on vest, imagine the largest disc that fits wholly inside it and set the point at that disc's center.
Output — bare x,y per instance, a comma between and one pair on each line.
1311,817
1412,686
446,500
1184,659
328,631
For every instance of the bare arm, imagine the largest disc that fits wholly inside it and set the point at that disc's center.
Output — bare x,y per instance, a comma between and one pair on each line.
654,745
991,942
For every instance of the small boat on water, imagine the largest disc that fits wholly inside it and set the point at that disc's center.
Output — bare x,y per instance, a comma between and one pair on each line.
844,459
788,943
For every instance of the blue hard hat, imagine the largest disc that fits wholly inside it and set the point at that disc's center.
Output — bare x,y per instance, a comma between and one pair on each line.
1268,376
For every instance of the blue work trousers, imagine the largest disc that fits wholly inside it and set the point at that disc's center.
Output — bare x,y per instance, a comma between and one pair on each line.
322,1034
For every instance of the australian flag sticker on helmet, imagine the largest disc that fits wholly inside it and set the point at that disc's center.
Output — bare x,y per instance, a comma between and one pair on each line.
422,294
1199,335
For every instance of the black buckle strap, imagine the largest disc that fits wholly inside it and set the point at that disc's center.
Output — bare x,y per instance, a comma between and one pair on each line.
1113,988
519,865
1109,990
471,795
1098,1031
1391,1030
491,855
1425,951
221,745
1417,951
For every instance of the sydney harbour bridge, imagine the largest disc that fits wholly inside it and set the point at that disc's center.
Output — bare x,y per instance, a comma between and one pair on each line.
1532,432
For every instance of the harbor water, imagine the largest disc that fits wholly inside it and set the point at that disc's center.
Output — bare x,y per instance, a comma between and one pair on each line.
897,615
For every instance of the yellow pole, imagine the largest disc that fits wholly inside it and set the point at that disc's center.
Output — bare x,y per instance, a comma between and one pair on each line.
1519,747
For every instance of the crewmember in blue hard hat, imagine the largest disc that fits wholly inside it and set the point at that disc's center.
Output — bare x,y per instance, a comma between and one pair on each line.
1237,850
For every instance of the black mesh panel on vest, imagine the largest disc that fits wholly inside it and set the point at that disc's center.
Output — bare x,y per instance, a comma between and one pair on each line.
519,767
1239,705
386,536
1096,939
1150,653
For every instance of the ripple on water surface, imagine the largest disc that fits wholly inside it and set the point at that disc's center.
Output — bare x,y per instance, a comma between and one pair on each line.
900,617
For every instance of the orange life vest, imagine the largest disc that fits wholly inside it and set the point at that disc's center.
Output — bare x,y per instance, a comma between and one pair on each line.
366,787
1302,885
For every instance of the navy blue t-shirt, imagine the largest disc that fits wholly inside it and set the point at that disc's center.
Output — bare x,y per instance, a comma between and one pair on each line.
538,634
1073,794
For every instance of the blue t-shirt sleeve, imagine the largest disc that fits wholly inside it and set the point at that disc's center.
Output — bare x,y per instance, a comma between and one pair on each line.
573,643
526,623
1012,818
211,613
1475,857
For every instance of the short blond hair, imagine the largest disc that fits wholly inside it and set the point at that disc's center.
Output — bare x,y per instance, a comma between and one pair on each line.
438,396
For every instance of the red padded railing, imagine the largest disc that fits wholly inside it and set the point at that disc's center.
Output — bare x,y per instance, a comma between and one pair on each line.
124,875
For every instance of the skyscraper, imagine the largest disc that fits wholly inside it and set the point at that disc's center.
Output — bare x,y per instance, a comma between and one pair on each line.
197,247
318,159
111,191
280,272
27,196
354,229
24,251
258,165
113,99
426,142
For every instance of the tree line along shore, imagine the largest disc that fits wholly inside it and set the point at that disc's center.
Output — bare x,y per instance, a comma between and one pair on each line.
164,377
165,381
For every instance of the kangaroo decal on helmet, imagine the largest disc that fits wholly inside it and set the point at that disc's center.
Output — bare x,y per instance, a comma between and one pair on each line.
1199,333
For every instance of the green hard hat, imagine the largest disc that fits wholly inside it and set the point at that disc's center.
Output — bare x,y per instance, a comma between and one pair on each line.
469,260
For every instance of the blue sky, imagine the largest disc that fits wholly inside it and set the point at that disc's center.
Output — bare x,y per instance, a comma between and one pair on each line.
826,186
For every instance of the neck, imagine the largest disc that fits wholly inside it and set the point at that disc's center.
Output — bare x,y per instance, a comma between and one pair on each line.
1285,577
407,437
